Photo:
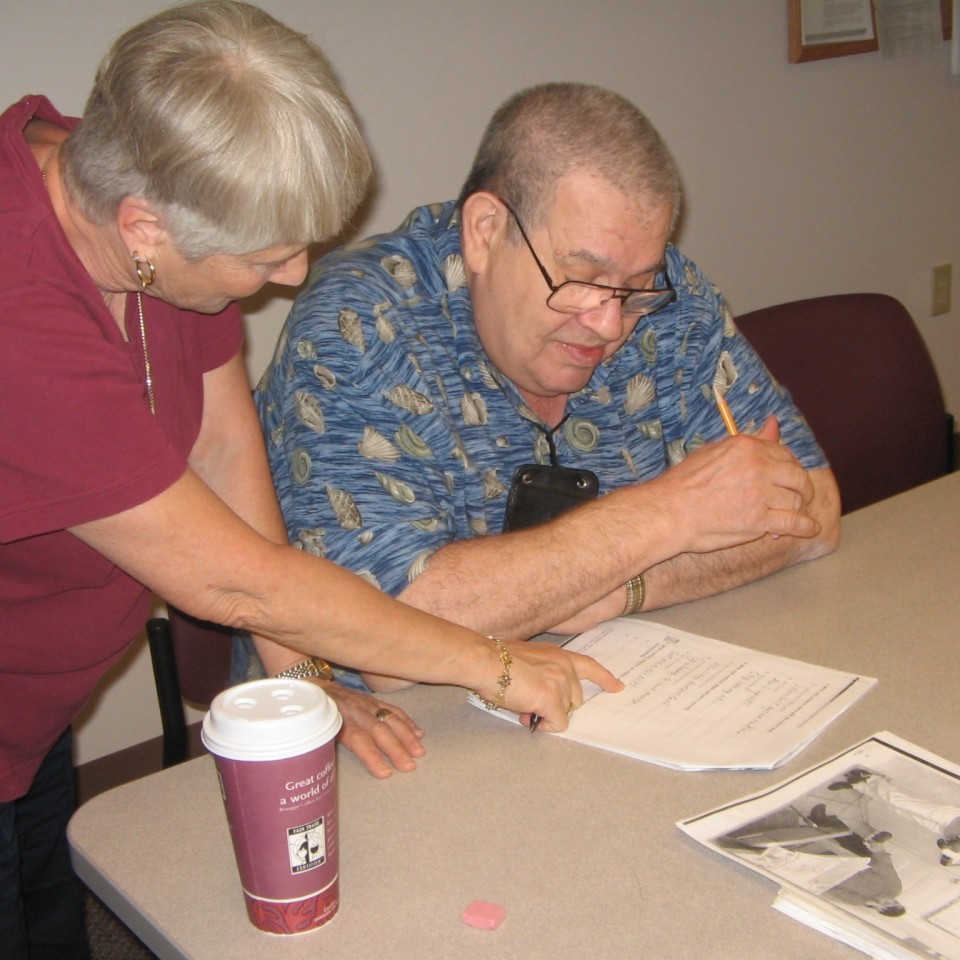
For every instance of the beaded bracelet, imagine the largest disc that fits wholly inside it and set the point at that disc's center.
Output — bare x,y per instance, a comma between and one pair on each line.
503,681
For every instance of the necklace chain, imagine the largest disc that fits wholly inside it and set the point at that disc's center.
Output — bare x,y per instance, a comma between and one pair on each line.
148,370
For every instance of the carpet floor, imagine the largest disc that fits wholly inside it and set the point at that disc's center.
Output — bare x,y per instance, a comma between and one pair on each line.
109,938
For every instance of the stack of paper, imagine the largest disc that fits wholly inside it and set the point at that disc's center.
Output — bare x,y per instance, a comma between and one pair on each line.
866,847
699,704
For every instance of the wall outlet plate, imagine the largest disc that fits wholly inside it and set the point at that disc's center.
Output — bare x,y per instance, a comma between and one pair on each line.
942,283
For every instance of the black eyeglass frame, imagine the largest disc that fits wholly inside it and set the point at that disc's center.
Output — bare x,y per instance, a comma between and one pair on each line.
623,294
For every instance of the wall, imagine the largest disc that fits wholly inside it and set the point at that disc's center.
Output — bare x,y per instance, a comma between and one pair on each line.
806,179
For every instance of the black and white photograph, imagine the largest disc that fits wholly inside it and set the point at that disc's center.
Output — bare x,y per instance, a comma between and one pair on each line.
872,837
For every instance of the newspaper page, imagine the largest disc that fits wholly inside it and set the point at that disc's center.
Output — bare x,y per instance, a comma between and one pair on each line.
694,703
865,846
906,27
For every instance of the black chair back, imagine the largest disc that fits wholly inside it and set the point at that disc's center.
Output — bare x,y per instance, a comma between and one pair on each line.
191,662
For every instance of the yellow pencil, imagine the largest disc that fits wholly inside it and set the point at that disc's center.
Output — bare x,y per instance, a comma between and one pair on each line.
727,416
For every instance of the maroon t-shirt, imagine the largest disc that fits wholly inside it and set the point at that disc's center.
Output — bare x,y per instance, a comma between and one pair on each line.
77,442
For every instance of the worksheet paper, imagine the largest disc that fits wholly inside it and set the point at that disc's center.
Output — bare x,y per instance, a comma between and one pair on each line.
694,703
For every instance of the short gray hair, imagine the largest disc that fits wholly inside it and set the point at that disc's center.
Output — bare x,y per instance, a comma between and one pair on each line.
542,133
229,122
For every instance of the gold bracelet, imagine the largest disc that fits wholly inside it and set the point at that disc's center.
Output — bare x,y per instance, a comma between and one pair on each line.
503,681
311,667
636,594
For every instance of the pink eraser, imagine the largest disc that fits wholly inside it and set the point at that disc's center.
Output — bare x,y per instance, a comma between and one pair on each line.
485,916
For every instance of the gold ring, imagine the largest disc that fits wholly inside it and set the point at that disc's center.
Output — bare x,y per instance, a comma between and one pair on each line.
382,714
570,710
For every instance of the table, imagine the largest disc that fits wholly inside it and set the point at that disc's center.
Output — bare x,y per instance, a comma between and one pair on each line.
579,845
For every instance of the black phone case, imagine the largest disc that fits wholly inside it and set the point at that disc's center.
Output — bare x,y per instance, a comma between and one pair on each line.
540,492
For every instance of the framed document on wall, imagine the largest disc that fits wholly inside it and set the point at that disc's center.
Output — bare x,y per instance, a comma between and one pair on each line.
955,45
819,29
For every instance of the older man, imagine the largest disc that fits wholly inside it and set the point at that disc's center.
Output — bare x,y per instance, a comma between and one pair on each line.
545,319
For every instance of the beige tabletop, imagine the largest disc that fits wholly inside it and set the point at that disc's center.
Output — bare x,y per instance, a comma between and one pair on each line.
578,845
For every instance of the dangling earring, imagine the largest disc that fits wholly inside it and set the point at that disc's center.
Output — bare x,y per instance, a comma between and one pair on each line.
147,276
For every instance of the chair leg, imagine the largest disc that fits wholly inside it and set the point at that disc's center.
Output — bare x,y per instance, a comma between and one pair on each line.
953,444
168,691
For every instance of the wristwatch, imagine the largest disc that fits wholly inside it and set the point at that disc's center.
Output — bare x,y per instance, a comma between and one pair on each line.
311,667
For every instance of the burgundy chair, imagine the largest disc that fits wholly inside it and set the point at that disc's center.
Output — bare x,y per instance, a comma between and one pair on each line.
860,373
191,662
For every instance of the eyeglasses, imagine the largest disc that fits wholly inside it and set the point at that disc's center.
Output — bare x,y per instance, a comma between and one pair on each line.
576,296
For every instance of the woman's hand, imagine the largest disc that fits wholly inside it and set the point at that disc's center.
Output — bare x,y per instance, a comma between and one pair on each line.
395,738
545,679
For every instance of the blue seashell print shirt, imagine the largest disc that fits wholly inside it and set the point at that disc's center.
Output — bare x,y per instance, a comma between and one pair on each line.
390,432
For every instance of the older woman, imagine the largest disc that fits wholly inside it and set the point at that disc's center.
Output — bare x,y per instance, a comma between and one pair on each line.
214,148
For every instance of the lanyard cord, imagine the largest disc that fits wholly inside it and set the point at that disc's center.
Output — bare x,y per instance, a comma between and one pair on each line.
551,443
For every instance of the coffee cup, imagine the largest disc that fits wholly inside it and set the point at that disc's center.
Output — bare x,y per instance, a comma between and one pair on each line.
273,743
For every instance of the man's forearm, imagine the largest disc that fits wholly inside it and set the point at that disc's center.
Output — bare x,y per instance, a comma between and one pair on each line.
509,594
689,576
516,595
519,584
571,571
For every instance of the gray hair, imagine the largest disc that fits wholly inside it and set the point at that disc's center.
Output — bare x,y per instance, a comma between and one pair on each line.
542,133
230,123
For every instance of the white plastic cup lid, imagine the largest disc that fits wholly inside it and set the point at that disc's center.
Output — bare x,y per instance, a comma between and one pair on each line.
269,720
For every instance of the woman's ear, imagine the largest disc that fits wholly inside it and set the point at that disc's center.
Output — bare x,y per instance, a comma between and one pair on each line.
483,220
140,226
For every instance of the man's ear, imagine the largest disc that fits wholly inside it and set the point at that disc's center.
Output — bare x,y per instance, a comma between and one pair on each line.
140,226
483,220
